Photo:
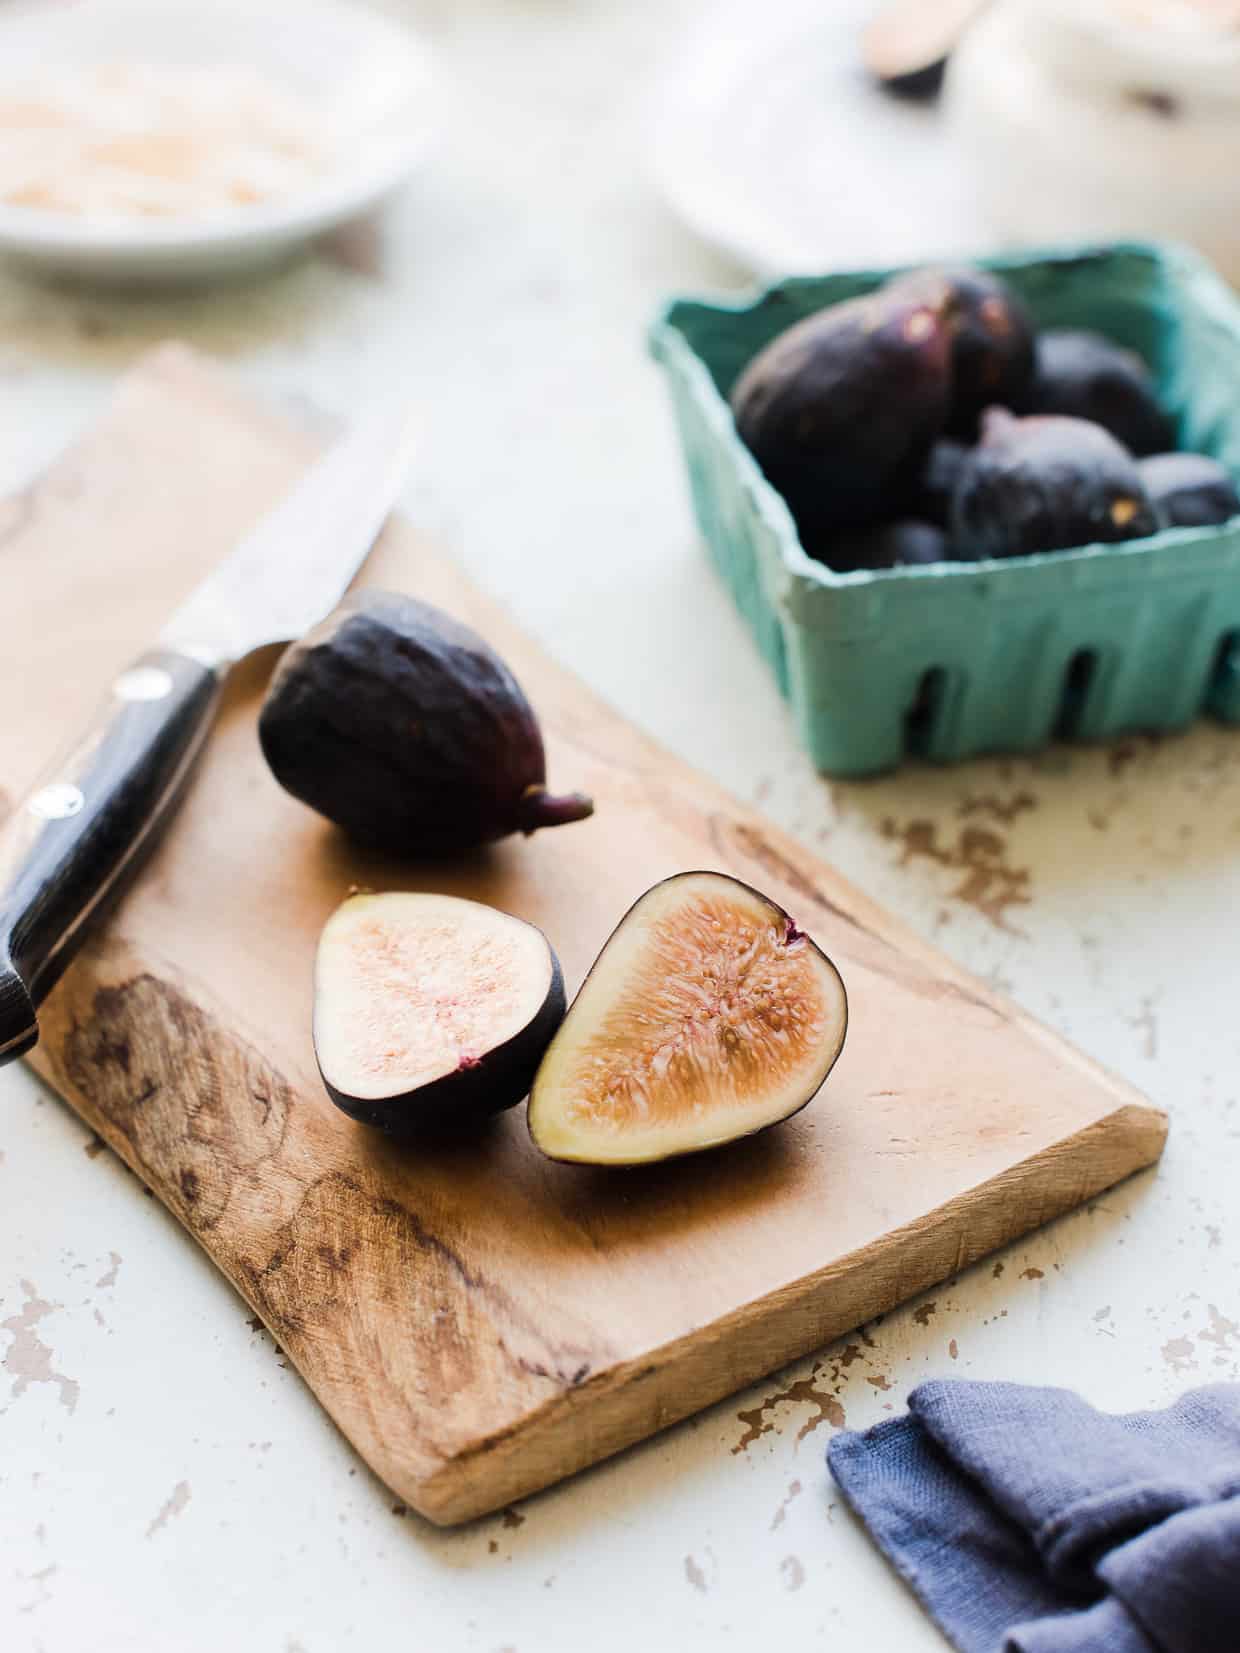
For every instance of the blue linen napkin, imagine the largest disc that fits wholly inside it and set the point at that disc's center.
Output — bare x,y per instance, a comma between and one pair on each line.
1028,1522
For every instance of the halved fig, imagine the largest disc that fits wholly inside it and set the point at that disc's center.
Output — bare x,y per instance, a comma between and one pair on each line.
429,1009
707,1016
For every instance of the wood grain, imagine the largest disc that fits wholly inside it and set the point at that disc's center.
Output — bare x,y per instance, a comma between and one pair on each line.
478,1321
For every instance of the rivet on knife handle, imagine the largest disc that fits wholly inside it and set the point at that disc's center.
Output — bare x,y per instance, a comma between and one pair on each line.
70,846
73,842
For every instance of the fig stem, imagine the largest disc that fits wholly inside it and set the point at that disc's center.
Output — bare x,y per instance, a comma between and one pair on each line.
540,808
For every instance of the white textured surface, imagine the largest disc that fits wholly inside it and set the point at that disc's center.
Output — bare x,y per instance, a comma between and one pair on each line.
165,1482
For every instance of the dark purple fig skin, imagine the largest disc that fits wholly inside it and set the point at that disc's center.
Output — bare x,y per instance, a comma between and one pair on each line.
840,410
932,500
1188,490
1046,484
1086,376
498,1081
405,728
992,340
905,543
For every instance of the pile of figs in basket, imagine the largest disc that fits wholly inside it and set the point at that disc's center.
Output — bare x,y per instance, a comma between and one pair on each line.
928,422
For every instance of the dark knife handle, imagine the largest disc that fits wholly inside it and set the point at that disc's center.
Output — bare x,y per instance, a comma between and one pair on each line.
71,845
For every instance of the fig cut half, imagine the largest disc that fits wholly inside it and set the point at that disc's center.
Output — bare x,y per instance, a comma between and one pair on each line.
429,1009
707,1016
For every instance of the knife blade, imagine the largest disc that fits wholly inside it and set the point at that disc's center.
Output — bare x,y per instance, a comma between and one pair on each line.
72,844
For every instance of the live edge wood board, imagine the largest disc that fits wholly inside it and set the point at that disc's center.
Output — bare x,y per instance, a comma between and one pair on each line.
478,1321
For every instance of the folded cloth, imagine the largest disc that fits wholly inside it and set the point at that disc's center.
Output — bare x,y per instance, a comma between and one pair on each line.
1027,1522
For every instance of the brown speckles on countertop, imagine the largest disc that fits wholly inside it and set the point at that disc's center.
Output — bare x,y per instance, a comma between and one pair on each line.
1178,1353
95,1146
999,980
1146,1023
171,1507
108,1278
996,1272
255,1324
953,1349
400,1511
28,1359
991,884
999,809
804,1392
1032,1274
513,1518
922,1314
1127,751
794,1491
879,1381
1219,1330
41,1579
696,1574
791,1572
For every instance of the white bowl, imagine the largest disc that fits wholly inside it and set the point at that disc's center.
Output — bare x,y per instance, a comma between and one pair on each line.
368,79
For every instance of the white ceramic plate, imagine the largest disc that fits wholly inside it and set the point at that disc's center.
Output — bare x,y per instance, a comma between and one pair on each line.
771,143
368,78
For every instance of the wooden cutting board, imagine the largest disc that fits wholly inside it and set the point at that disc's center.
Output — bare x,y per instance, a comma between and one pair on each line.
477,1320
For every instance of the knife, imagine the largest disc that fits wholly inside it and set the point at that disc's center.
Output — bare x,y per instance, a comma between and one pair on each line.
70,846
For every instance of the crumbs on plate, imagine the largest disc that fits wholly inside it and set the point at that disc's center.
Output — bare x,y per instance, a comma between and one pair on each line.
131,139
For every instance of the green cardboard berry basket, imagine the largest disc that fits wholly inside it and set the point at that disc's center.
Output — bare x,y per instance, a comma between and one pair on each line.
959,658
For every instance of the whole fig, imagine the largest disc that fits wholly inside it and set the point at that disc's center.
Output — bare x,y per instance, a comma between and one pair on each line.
840,409
904,543
407,729
992,348
932,499
1083,375
1046,484
1187,490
